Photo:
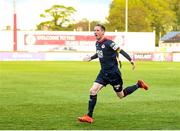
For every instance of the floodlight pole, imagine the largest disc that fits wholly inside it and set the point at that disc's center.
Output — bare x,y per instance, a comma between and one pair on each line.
15,27
89,25
126,17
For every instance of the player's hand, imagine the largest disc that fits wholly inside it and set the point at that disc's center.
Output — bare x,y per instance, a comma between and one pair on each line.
133,64
87,58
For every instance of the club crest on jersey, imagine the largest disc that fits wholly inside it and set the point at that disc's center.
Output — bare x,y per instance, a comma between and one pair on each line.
103,46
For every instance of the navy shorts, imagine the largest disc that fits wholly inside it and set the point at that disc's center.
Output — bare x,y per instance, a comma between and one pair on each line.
113,78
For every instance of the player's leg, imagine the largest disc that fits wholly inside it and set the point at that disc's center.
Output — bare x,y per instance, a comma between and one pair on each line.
92,102
117,83
93,97
130,89
97,86
127,91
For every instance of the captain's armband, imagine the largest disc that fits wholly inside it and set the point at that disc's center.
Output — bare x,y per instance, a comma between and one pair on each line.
114,46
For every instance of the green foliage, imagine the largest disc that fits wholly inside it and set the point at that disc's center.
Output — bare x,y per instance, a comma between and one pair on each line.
139,17
162,16
85,25
59,16
82,25
144,15
175,6
116,18
42,95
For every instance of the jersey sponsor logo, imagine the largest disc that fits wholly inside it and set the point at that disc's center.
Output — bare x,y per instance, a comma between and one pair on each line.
100,53
114,46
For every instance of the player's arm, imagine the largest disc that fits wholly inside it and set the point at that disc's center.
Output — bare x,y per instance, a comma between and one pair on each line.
94,56
115,47
126,55
118,60
89,58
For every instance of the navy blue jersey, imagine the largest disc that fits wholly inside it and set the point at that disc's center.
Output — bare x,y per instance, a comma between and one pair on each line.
107,54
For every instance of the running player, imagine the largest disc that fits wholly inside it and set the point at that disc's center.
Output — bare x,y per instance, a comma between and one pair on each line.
106,51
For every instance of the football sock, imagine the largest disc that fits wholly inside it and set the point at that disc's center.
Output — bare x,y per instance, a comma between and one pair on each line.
92,103
130,89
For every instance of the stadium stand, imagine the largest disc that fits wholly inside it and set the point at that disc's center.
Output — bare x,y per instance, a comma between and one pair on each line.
171,37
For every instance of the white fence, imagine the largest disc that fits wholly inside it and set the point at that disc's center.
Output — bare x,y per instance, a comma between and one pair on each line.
52,45
38,41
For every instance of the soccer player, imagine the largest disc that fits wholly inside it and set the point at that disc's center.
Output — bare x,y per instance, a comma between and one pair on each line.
107,52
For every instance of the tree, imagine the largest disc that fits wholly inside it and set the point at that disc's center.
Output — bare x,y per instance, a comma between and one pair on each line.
175,6
162,16
59,15
143,15
82,25
116,18
85,25
138,16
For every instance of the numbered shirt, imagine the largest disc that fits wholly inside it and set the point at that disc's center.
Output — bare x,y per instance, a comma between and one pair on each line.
107,54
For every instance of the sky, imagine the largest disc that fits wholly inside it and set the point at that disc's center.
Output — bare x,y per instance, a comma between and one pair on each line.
28,11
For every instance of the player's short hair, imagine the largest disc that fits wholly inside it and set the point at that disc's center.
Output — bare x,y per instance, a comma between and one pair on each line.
102,26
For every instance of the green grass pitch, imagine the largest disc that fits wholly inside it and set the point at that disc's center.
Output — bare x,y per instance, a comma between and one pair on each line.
41,95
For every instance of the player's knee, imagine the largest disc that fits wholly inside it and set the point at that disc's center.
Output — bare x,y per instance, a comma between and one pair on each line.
119,90
120,95
92,92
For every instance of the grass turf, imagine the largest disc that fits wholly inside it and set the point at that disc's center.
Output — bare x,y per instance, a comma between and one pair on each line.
41,95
